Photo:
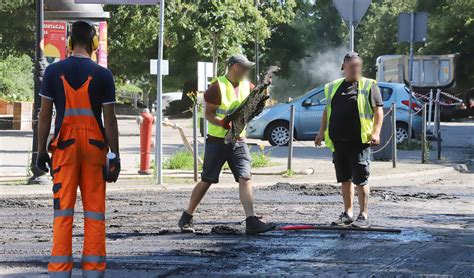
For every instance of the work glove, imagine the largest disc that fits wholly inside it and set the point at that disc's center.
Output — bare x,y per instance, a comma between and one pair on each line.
43,162
225,123
114,170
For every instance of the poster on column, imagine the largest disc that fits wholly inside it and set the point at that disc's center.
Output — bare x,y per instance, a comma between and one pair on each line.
102,50
55,41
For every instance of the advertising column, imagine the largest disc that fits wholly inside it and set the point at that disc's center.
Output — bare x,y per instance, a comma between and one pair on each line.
102,50
55,41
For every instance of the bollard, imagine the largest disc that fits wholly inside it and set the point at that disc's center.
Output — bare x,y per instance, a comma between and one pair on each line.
195,140
438,128
394,135
146,121
430,111
290,142
423,135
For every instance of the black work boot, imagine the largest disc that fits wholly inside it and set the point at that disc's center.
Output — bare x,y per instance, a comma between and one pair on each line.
186,223
254,226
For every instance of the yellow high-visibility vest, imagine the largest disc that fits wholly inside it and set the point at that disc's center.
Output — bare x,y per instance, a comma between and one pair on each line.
229,102
366,112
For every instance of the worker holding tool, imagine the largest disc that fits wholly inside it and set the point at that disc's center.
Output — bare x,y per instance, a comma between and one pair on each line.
351,123
81,92
224,95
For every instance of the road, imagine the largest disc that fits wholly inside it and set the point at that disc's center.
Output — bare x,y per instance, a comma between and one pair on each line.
435,213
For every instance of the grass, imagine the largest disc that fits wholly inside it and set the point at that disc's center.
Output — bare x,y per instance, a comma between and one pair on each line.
182,160
259,159
413,145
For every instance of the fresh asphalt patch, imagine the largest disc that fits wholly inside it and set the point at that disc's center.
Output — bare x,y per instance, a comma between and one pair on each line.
322,189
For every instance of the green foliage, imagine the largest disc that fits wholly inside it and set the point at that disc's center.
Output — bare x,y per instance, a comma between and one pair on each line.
16,78
17,27
292,34
306,49
451,30
182,160
260,159
377,33
128,89
192,31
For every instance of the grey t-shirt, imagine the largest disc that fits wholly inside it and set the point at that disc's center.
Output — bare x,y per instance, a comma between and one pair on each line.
344,125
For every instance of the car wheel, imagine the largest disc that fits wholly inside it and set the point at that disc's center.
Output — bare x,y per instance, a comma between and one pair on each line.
402,132
278,134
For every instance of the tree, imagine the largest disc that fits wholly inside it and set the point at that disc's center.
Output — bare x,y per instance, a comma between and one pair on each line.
17,27
193,31
307,48
450,30
377,33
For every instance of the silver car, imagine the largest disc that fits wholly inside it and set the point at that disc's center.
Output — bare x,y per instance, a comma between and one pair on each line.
272,124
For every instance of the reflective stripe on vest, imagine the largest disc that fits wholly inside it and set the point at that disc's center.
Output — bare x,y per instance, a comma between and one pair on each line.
78,112
229,102
366,113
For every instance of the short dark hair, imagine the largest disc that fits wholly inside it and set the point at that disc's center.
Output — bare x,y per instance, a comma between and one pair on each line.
82,34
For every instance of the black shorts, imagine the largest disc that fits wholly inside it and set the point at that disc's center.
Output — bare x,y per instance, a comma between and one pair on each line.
352,162
217,153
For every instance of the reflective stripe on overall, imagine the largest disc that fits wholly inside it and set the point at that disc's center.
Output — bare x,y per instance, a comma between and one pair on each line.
229,102
366,113
78,158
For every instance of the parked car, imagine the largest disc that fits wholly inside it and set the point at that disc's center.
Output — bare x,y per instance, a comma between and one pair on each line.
168,98
272,124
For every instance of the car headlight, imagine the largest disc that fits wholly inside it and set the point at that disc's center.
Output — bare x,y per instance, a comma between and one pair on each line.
265,111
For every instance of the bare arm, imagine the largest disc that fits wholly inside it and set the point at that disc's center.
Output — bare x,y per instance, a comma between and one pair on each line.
111,128
44,124
320,137
211,114
324,121
378,121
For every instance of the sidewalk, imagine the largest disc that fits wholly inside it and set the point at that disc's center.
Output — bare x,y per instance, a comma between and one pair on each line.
458,147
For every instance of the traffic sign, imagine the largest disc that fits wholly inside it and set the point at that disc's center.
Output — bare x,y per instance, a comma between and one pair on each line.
165,65
205,72
420,27
352,11
118,2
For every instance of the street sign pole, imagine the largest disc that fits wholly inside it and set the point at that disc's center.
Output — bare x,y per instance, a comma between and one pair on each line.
351,26
257,54
159,92
352,15
412,27
410,68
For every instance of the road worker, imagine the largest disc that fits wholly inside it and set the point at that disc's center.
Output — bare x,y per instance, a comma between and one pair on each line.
82,92
224,95
352,122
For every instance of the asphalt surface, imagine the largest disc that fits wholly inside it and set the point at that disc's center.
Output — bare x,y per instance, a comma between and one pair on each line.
435,214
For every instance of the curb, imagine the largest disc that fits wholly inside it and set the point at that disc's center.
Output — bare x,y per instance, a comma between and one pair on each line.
17,178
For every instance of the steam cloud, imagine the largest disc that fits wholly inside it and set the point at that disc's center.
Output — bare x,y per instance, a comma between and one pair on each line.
310,72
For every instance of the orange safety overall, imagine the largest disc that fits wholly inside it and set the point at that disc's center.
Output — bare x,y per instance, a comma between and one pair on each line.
78,159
